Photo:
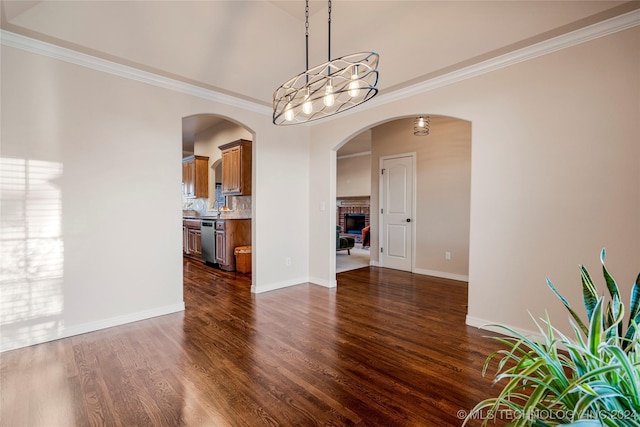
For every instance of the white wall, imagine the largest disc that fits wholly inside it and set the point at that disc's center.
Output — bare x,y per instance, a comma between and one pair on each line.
354,175
112,147
554,174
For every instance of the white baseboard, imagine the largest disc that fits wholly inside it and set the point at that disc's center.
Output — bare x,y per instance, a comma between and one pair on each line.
323,282
491,326
425,272
294,282
29,335
279,285
441,274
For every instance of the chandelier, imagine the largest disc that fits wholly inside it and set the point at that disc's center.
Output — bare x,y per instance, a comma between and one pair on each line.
421,126
326,89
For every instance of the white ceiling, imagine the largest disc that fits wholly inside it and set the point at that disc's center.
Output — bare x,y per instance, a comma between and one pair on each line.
248,48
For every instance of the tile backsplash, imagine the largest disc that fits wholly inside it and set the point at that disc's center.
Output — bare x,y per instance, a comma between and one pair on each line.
239,207
197,205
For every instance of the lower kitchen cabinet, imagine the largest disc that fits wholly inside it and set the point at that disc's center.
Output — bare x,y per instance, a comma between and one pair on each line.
191,238
195,243
231,233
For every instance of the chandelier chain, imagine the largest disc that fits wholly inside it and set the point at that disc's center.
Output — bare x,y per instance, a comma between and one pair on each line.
306,34
306,19
329,38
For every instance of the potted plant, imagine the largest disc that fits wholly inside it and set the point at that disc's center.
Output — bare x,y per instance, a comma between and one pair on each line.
591,378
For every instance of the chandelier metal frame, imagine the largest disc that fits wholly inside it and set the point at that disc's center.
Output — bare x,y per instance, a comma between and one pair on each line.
326,89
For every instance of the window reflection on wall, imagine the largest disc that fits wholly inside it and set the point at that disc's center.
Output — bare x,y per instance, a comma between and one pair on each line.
31,252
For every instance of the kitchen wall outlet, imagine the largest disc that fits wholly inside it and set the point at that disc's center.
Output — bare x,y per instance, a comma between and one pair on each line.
447,256
287,261
323,206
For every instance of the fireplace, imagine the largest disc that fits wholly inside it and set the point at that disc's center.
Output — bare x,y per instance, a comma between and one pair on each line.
354,223
357,210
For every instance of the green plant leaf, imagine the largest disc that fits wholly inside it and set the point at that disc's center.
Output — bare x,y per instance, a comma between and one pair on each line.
631,343
595,327
600,396
613,319
595,373
566,304
589,291
627,369
634,308
611,283
539,393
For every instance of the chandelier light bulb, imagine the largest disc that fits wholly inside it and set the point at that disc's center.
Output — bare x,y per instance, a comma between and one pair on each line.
421,122
329,98
307,106
354,85
288,112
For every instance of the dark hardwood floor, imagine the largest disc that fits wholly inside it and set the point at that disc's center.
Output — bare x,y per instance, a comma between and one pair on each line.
386,348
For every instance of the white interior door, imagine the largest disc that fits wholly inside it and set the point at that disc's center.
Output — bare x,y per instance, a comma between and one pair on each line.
396,213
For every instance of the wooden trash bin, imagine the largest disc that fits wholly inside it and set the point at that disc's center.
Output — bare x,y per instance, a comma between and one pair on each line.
243,259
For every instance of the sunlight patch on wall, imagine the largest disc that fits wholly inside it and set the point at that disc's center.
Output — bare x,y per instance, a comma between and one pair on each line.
31,252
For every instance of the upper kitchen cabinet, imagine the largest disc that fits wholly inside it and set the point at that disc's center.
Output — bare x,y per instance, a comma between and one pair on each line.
236,168
195,176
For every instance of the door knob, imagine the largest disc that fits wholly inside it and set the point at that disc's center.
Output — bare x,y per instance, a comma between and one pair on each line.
408,219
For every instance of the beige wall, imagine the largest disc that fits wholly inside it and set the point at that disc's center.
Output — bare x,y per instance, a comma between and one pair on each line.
443,191
553,174
113,150
354,175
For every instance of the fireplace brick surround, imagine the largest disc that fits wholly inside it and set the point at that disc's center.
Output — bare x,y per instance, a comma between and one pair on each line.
352,205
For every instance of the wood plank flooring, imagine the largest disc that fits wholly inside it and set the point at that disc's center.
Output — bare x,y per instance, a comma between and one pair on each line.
386,348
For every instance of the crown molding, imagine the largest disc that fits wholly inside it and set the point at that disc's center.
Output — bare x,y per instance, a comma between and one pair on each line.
600,29
28,44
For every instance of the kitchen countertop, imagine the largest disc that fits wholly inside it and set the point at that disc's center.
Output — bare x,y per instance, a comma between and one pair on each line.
211,218
199,217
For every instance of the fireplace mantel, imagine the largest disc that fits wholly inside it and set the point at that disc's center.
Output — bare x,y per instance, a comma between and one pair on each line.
353,201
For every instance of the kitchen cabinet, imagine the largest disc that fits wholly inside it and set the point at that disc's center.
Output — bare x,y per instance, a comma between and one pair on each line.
185,239
236,168
195,243
195,177
191,238
231,233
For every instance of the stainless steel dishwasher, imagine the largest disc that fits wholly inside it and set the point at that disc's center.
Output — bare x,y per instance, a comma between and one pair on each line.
208,239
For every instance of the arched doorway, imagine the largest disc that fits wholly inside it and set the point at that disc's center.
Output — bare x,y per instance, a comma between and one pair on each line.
215,221
442,188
